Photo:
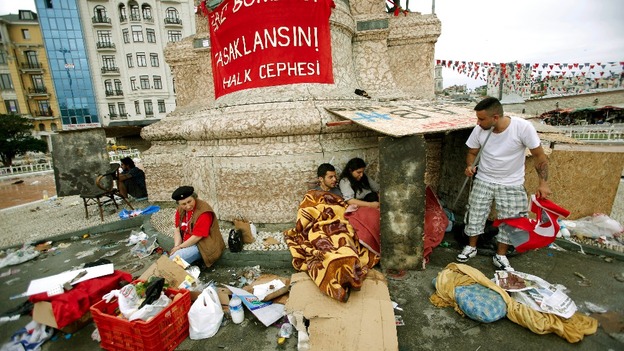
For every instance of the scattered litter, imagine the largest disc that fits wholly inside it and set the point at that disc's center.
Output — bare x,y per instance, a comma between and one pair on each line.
85,236
144,248
64,245
556,247
445,244
125,214
83,254
135,237
111,253
109,246
398,321
9,272
585,281
608,259
263,290
9,318
270,241
619,277
396,306
594,226
23,254
95,336
43,247
594,308
31,337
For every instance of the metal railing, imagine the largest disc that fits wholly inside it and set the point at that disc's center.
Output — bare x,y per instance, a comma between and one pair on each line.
38,90
105,45
23,169
599,132
172,20
101,19
114,93
110,70
31,65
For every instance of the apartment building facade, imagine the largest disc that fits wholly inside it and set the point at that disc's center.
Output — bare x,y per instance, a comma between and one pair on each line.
119,45
26,85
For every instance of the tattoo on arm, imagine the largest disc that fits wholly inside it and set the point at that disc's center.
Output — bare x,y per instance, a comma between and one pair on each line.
542,170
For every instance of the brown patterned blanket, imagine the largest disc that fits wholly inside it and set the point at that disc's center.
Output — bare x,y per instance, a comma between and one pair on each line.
324,244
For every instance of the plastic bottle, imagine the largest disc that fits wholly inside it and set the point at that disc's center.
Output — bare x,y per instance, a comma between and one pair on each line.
45,194
236,310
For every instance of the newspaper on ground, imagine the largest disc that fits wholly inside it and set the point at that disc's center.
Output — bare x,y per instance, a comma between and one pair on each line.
536,293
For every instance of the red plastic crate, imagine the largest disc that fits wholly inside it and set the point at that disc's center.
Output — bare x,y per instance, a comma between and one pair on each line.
164,332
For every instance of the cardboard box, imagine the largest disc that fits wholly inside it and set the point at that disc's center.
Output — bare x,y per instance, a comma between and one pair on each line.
165,268
265,278
42,313
364,322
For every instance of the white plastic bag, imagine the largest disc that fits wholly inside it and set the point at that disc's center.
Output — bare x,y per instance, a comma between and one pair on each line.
148,311
127,298
205,315
594,226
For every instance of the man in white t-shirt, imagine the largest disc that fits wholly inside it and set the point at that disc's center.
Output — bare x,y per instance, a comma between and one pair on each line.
500,176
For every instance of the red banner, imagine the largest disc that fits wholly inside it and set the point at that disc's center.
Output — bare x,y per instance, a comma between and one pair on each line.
260,43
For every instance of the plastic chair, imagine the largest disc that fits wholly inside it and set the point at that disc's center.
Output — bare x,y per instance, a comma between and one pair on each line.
105,192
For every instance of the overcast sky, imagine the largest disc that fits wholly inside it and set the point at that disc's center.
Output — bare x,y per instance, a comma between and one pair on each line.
527,31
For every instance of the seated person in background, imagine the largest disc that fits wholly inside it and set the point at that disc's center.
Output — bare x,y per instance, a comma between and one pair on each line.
327,179
356,187
196,234
132,180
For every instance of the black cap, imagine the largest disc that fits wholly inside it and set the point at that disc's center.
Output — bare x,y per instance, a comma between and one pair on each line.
182,193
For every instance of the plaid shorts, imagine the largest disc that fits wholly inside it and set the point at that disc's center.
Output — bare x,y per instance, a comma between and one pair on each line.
511,202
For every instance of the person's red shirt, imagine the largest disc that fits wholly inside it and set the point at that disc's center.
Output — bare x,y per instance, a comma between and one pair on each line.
202,225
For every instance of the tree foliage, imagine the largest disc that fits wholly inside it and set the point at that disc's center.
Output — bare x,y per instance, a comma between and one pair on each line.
16,138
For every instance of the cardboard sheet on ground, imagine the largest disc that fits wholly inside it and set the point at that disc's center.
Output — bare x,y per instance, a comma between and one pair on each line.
416,117
266,312
42,285
365,322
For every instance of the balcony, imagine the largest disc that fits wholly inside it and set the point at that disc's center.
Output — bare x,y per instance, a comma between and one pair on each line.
123,19
135,18
110,70
31,67
101,20
172,21
38,92
42,114
148,20
114,93
105,46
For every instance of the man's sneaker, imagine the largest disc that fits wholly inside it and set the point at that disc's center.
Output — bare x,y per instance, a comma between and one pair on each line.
467,253
502,262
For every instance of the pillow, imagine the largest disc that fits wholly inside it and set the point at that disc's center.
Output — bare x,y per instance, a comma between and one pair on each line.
480,303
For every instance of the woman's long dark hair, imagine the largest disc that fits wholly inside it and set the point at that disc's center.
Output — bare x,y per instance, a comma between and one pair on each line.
352,165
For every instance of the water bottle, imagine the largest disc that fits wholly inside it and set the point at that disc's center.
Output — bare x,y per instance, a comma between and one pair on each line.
45,194
236,310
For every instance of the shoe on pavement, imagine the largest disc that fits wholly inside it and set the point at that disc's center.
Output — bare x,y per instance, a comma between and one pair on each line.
467,253
502,262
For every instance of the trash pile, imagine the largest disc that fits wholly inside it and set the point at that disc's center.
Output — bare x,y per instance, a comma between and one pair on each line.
598,230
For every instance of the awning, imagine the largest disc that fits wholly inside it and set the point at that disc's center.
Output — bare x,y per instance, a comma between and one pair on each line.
409,118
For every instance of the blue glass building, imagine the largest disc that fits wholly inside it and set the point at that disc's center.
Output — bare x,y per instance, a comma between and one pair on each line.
65,45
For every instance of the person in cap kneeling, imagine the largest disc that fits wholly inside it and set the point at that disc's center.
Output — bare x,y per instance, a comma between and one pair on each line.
196,235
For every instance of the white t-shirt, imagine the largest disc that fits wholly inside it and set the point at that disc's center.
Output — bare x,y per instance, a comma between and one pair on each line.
502,159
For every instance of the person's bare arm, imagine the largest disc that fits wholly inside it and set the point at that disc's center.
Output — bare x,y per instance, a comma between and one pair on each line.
541,166
470,158
361,203
194,239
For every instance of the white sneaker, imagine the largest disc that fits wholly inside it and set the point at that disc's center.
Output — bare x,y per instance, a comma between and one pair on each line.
467,253
502,262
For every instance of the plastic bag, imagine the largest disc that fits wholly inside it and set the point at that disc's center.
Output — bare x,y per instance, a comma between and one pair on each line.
205,315
127,298
147,311
594,226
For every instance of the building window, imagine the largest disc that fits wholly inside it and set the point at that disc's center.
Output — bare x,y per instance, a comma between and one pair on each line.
5,82
37,82
137,107
130,60
126,36
108,86
111,110
135,14
31,58
147,12
99,14
133,85
172,16
154,60
3,57
118,89
44,108
25,34
161,106
104,39
11,106
108,61
141,60
157,82
122,13
53,127
151,35
48,4
41,127
144,82
149,109
137,34
174,35
122,109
